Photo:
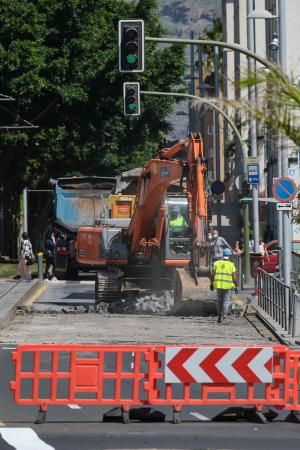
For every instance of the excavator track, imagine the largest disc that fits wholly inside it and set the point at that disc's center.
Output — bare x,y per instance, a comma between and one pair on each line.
192,298
107,287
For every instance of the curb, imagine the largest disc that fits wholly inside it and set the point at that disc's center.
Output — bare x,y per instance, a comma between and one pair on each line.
21,293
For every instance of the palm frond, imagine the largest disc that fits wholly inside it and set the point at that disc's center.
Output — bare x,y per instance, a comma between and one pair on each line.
278,101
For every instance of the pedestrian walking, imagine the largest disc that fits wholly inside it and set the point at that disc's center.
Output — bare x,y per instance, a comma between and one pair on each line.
223,280
50,256
218,244
26,258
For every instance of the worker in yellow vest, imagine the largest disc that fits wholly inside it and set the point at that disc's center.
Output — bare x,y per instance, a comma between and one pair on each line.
177,222
224,279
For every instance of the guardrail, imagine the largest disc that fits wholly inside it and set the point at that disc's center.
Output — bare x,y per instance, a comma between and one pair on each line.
295,275
279,301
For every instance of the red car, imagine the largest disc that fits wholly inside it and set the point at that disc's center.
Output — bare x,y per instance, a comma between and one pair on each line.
269,262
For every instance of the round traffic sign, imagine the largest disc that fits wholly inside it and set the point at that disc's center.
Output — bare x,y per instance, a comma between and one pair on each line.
284,189
217,187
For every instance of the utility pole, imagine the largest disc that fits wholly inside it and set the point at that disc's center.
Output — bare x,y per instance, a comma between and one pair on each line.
192,84
286,221
25,211
200,77
217,136
252,127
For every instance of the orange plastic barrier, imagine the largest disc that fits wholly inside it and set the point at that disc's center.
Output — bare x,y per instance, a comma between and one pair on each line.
282,392
136,375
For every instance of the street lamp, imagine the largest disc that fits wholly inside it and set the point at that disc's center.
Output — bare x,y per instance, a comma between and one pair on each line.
261,14
284,231
252,125
274,44
255,14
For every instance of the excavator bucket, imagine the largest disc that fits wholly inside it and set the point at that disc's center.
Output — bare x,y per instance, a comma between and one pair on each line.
192,298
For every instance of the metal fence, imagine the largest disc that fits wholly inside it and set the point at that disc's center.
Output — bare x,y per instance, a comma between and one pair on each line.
295,275
279,301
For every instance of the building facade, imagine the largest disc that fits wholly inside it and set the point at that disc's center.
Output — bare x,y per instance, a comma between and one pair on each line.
235,25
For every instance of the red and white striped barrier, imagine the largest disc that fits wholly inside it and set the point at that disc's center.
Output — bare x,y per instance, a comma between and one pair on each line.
218,365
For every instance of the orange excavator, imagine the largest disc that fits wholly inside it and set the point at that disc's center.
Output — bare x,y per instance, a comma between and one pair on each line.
163,245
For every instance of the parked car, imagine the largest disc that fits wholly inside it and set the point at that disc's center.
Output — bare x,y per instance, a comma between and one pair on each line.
270,261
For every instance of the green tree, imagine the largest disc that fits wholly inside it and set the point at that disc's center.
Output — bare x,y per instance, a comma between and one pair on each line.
59,59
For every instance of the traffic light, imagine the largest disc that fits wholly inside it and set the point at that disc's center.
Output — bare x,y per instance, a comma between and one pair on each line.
131,45
131,94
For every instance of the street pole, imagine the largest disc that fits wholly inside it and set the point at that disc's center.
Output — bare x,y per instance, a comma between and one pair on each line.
244,152
192,84
252,127
286,221
200,77
25,211
217,136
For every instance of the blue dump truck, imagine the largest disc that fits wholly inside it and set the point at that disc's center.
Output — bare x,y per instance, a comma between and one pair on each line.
78,201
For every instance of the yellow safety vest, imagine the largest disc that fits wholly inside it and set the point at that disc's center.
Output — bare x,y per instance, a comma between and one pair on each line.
223,270
179,222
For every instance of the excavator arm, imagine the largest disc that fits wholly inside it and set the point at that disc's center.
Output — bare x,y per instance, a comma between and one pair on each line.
146,226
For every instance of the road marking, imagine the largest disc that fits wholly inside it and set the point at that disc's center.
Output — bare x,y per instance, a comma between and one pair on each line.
9,348
36,295
74,406
200,417
24,439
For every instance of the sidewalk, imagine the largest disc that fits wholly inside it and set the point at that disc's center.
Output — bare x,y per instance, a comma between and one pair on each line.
249,301
12,294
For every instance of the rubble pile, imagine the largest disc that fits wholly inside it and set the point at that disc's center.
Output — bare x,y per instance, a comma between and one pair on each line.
158,302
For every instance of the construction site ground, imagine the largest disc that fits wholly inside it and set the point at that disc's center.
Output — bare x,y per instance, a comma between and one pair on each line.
54,314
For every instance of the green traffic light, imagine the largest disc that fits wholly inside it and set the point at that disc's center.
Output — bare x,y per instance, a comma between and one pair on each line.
132,107
131,59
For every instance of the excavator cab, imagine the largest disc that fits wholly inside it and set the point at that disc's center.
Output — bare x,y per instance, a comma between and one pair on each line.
177,229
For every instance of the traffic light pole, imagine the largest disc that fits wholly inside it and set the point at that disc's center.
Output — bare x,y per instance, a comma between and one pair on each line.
244,150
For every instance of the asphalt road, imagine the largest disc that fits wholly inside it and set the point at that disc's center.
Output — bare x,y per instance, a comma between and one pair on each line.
81,427
204,436
66,293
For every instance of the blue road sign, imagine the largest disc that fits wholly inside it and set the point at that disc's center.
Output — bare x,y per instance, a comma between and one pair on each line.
284,189
253,173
